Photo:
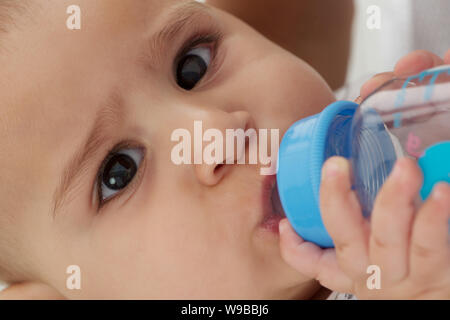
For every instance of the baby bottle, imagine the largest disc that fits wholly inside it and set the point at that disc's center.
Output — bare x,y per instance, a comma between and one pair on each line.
404,117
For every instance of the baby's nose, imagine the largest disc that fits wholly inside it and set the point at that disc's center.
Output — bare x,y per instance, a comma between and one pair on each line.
221,148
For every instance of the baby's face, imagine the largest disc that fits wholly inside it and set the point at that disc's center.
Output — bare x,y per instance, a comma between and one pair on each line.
158,230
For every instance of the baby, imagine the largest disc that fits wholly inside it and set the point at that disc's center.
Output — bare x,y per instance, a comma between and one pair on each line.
86,177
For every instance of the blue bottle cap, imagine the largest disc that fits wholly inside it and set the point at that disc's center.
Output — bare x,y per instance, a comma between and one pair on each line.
303,151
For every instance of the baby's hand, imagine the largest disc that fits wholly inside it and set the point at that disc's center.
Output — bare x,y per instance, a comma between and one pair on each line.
410,64
30,291
410,247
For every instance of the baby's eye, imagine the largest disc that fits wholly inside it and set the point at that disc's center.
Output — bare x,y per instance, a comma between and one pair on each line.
118,172
192,67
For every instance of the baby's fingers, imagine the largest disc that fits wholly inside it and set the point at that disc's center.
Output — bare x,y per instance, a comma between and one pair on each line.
447,57
430,250
30,291
416,62
374,83
412,63
391,220
312,261
341,214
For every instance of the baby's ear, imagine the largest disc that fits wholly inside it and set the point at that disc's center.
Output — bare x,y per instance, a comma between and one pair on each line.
30,291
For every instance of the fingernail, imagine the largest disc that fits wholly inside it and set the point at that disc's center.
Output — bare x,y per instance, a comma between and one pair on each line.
334,168
397,173
440,191
282,226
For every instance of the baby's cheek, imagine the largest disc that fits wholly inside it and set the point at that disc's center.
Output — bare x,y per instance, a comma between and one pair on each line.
303,91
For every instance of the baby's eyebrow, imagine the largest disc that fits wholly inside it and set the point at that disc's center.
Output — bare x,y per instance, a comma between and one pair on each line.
181,17
110,115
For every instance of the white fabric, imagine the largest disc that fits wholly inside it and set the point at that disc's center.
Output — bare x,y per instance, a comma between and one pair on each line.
341,296
406,25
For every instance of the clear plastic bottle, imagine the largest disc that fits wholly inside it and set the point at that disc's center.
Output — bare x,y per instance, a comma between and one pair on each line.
405,117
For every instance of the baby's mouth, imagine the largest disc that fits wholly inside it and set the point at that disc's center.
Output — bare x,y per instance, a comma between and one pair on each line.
273,210
276,202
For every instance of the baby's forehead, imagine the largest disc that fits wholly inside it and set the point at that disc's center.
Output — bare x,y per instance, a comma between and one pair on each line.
57,73
56,78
